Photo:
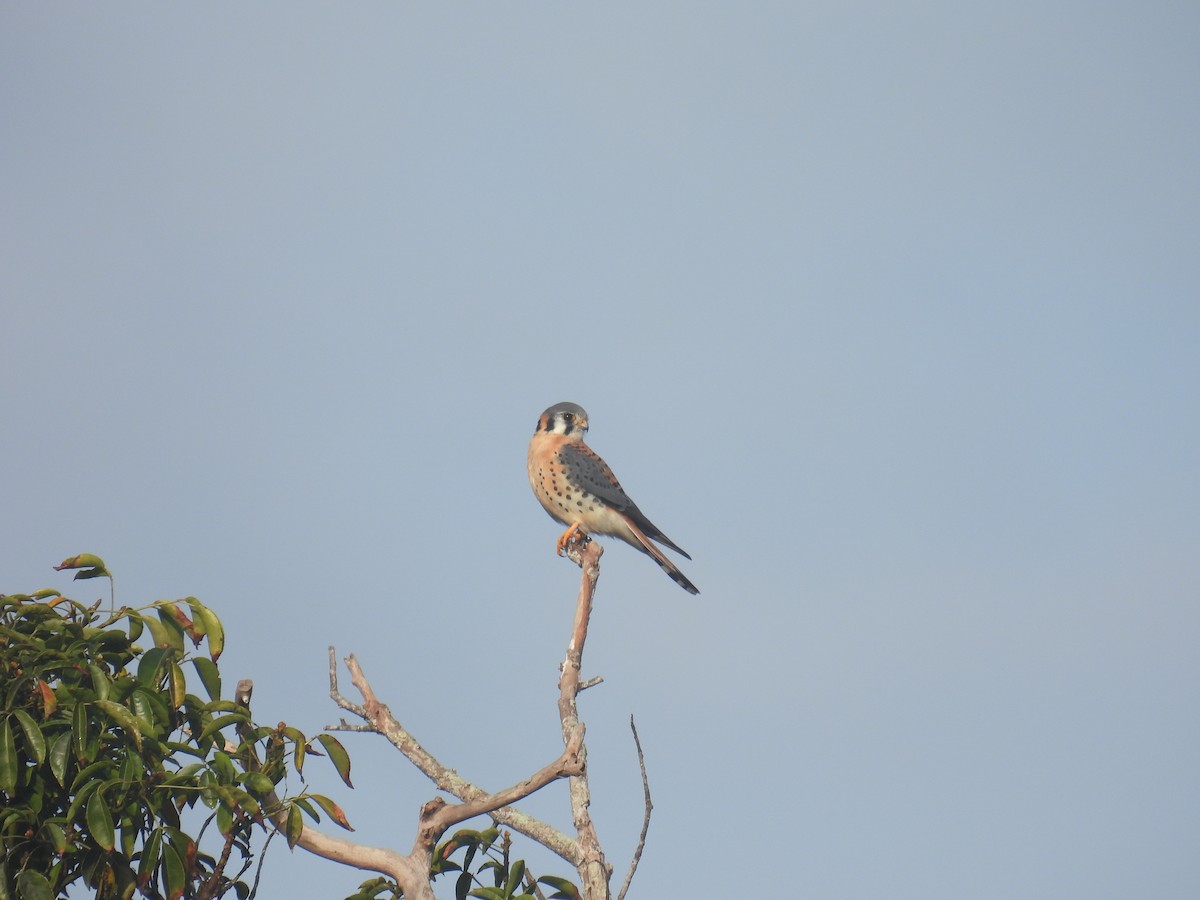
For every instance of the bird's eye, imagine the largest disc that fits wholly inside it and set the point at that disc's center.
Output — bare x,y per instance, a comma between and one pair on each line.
568,417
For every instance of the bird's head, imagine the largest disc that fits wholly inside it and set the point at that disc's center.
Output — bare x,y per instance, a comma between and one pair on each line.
569,419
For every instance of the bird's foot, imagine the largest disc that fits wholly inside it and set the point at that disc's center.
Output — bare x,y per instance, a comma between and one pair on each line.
573,534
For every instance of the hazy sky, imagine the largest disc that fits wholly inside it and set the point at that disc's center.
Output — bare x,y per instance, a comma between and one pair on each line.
889,314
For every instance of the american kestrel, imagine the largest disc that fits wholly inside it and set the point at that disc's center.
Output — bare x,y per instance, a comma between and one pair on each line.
579,489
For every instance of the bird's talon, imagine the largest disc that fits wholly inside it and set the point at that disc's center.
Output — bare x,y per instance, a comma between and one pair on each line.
574,534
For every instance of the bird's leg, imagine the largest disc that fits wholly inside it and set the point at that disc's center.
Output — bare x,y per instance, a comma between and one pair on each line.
574,533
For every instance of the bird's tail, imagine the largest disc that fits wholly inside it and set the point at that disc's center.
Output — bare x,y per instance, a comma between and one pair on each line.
644,544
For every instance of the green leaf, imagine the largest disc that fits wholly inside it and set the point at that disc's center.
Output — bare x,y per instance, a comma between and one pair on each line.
332,810
96,772
488,893
9,767
295,735
81,730
186,775
295,826
299,749
176,875
495,867
488,836
83,560
210,676
129,832
33,886
162,640
247,803
515,874
150,854
93,565
469,856
100,821
185,844
563,889
60,757
136,624
100,682
225,706
133,767
124,718
222,768
82,795
197,625
224,819
56,836
148,666
34,739
221,722
178,684
337,755
257,782
306,805
207,623
171,632
91,573
150,709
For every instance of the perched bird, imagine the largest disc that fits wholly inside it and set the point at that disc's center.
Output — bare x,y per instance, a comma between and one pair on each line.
579,489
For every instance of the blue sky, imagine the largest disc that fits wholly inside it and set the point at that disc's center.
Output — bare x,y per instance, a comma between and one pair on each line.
889,314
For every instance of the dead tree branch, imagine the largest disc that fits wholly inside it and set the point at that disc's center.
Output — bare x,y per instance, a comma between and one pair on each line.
380,720
594,871
411,871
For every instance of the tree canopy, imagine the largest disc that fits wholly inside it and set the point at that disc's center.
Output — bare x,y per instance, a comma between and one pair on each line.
123,765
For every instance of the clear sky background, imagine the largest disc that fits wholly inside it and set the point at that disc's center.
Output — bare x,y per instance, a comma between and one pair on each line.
888,313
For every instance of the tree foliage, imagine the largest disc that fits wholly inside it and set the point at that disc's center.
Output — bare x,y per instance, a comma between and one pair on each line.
116,774
115,771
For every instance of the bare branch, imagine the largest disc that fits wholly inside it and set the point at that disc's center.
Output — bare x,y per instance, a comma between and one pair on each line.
413,879
569,764
380,720
637,854
437,816
411,872
336,694
594,871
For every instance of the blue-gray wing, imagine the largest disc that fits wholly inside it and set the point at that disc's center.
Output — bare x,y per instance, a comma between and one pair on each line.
588,471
